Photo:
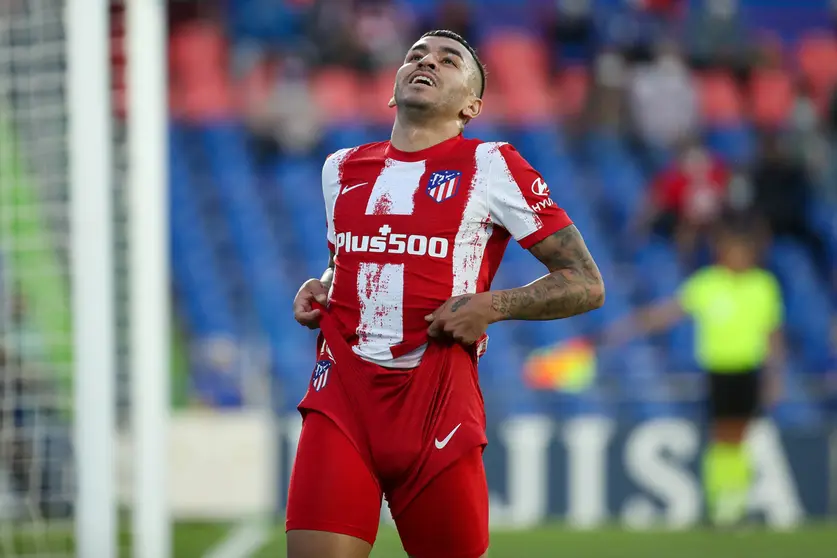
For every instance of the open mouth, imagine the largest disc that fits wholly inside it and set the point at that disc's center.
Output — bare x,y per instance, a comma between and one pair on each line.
422,80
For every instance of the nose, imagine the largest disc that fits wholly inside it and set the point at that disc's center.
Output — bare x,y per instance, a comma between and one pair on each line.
427,62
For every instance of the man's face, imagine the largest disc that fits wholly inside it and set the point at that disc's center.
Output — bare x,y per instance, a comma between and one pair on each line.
438,76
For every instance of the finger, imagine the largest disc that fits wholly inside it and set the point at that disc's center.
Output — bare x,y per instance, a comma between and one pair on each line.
307,317
430,317
322,298
435,329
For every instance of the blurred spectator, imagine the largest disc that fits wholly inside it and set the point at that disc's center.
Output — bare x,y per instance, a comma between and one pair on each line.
456,16
382,31
632,28
687,198
829,184
332,36
261,28
287,119
664,106
573,29
782,194
716,36
608,95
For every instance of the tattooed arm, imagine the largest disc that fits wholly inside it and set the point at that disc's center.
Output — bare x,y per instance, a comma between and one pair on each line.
573,285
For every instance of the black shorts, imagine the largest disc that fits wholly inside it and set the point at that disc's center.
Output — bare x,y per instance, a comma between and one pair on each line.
734,395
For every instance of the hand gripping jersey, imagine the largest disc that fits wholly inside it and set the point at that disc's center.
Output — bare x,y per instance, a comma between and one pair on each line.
410,230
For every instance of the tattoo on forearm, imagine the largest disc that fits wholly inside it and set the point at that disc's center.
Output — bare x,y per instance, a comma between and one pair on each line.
573,286
459,303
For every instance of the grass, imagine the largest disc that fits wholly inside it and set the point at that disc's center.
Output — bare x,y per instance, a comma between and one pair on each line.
819,541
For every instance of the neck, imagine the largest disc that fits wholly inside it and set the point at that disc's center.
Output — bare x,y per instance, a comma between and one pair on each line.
409,135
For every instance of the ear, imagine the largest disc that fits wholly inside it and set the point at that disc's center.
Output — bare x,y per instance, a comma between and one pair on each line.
472,109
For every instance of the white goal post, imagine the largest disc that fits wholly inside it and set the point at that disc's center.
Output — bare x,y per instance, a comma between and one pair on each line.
148,216
92,275
89,83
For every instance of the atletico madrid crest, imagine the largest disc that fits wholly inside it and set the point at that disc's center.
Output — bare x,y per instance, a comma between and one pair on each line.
442,185
320,377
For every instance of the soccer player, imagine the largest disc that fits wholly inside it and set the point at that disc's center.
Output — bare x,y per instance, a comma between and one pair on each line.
737,309
416,227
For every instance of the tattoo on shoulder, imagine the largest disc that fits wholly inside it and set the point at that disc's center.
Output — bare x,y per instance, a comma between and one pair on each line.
573,286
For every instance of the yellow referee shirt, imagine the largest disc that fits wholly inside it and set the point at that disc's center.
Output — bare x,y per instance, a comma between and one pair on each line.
734,314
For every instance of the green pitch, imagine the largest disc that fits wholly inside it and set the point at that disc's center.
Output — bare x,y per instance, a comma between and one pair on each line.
194,540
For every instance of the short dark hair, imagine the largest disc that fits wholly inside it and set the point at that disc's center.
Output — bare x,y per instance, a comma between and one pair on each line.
448,34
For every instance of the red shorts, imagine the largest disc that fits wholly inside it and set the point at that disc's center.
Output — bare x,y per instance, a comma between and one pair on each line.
407,431
333,490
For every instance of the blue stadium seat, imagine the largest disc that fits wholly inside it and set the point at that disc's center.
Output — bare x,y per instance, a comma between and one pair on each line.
620,180
257,248
198,282
734,144
341,136
807,304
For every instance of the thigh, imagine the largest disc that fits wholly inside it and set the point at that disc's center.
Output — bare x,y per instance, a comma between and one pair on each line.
334,501
449,518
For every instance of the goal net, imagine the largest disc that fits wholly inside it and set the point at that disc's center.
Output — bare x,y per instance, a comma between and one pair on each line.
36,458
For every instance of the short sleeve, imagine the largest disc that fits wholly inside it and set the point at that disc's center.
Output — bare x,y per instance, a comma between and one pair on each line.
775,306
689,294
331,189
519,199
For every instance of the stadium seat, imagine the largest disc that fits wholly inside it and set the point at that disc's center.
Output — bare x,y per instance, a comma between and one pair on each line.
817,59
516,60
337,92
202,298
621,184
808,308
571,89
720,100
375,95
771,98
199,88
255,244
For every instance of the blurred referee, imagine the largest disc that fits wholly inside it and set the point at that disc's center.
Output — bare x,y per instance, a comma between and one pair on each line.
738,312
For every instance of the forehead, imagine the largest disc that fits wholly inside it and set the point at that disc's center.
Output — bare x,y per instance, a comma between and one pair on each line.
435,44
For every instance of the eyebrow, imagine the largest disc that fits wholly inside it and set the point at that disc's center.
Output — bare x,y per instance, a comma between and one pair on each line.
447,49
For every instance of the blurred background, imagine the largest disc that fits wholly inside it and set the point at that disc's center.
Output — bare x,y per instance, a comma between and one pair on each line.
648,118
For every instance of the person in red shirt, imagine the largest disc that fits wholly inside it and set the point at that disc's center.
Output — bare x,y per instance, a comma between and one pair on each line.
687,198
417,227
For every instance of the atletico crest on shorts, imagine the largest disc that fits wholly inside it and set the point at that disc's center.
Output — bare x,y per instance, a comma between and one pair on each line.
442,185
320,377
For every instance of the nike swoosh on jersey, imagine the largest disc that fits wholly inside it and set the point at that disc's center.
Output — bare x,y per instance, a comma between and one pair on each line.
350,188
446,439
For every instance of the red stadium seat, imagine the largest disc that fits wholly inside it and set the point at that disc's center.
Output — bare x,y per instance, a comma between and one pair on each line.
817,57
376,93
199,83
720,99
337,92
771,98
571,90
515,59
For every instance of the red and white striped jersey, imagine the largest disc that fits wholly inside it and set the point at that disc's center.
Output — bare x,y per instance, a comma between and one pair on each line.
410,230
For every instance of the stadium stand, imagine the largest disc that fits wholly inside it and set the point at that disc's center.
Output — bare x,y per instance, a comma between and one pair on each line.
273,213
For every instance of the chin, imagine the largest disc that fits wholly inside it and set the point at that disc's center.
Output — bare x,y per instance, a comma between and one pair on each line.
416,102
